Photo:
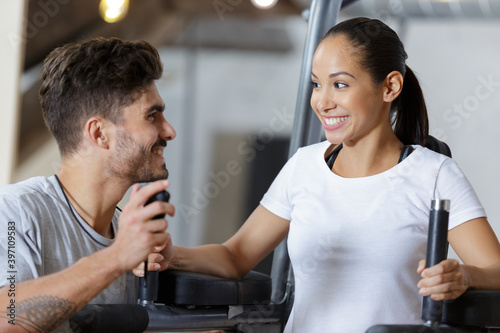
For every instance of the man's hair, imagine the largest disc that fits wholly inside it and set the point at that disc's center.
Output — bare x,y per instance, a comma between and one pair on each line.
95,77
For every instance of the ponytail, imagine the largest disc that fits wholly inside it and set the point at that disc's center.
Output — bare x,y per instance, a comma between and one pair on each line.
411,124
381,51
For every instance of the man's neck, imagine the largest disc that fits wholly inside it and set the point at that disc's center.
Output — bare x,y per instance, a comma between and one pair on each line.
93,196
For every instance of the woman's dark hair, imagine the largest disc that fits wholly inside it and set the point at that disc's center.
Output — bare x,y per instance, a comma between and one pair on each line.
95,77
380,51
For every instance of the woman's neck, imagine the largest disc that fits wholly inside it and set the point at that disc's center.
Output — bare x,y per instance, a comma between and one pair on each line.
367,158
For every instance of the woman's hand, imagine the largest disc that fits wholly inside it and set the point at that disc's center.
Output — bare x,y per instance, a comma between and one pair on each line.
446,280
159,259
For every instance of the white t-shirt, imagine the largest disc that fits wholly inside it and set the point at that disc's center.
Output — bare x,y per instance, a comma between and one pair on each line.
355,243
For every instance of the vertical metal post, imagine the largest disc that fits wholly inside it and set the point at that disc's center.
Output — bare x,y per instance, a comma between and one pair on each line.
307,128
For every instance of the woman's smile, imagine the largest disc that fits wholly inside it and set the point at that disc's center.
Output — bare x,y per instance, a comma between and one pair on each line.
333,123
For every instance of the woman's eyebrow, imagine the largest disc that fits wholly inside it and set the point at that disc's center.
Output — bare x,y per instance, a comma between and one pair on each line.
335,75
340,73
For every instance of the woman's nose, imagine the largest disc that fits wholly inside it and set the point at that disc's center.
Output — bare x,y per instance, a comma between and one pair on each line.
325,101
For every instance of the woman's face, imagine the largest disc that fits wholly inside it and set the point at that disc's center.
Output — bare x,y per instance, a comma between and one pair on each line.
345,99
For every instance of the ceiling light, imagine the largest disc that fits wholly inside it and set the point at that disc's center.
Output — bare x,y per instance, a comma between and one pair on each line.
264,4
113,10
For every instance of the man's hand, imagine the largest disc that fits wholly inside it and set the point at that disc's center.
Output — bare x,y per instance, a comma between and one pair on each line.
138,234
446,280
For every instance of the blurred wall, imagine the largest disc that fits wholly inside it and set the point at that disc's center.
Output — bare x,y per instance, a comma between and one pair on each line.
236,94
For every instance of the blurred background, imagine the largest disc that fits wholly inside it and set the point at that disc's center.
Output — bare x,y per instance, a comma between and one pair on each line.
231,72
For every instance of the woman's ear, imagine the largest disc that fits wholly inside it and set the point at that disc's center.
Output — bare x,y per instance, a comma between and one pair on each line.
95,132
393,85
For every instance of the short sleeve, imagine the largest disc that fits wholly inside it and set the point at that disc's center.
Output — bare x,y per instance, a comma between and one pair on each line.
277,199
452,184
20,253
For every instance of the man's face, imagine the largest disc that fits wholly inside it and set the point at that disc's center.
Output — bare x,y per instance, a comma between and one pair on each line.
137,152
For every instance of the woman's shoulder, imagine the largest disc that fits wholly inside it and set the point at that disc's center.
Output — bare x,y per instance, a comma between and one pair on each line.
313,152
314,148
428,159
430,154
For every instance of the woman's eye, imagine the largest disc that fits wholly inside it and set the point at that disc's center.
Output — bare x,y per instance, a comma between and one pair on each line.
339,85
315,84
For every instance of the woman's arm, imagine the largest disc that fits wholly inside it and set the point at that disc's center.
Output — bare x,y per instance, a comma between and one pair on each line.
258,236
477,246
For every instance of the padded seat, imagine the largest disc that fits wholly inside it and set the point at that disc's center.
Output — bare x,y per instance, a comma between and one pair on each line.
195,289
475,308
438,146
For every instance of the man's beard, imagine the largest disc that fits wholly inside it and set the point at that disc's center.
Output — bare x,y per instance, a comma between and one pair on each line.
133,162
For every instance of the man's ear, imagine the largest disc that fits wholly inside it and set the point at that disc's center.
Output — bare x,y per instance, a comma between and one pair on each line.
95,132
393,85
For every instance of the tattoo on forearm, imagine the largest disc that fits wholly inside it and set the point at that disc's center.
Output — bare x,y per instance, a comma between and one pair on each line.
43,313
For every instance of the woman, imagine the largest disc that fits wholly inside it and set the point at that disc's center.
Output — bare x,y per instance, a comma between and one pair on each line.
356,206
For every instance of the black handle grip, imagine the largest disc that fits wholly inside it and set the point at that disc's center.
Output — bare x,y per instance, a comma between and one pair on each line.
437,248
160,196
148,288
148,285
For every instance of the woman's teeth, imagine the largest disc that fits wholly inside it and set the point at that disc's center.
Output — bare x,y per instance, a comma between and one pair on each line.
334,121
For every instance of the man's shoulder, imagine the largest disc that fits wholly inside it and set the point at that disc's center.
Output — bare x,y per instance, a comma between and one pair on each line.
32,204
29,189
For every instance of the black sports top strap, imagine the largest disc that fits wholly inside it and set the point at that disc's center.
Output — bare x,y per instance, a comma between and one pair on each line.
407,150
330,159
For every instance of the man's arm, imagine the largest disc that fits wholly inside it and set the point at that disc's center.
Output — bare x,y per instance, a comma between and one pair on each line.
42,304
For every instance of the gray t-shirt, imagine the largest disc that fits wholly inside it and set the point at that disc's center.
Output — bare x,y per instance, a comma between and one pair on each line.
40,233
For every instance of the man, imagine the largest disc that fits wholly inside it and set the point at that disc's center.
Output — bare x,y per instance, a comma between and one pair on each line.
63,241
